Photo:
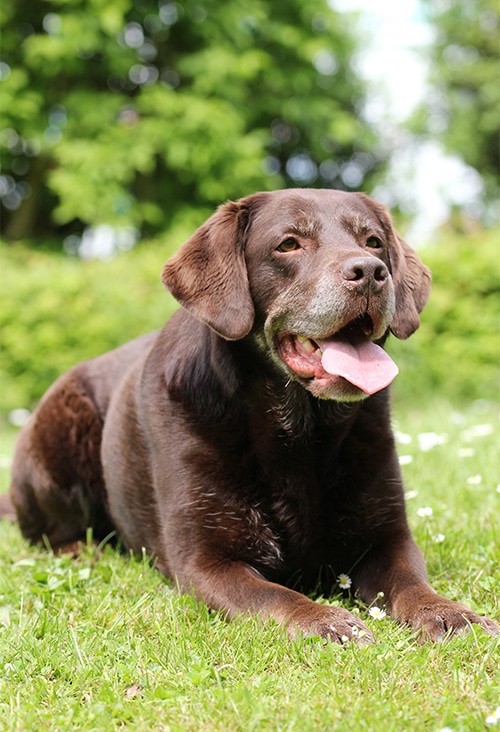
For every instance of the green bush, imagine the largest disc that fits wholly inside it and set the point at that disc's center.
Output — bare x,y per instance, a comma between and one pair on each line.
56,311
456,351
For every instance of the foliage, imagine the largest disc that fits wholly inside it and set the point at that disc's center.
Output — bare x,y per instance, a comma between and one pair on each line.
132,113
462,109
107,644
456,350
57,311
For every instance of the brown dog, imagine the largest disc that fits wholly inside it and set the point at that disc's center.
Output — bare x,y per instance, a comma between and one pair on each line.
247,446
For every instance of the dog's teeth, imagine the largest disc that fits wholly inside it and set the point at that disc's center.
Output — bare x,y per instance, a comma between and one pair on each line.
307,343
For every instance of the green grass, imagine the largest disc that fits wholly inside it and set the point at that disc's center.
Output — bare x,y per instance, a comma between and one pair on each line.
107,644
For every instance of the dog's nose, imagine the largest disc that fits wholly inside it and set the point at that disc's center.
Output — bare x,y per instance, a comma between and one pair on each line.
364,274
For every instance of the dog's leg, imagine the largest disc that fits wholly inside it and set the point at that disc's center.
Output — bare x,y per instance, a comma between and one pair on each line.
56,483
398,571
236,588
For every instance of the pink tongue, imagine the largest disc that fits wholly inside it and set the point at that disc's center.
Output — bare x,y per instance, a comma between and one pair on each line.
362,363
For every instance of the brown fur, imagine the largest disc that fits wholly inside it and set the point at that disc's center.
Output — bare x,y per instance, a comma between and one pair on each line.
247,481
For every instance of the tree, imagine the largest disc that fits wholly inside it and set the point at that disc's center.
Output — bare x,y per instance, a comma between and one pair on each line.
125,112
462,110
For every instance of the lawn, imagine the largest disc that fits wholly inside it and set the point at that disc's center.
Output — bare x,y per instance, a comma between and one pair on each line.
107,644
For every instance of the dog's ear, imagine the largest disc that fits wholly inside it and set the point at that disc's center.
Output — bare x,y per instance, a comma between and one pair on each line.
208,274
412,279
412,283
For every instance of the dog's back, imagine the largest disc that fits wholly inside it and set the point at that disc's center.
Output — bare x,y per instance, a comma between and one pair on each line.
57,485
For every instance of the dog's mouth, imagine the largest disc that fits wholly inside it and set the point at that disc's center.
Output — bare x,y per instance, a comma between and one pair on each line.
349,354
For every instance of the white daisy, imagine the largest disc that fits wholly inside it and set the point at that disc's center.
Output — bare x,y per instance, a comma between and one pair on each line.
405,459
377,613
475,479
428,440
344,581
493,718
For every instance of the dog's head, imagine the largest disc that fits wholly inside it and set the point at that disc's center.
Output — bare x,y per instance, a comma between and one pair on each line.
315,277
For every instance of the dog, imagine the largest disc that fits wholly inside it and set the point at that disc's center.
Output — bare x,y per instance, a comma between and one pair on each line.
247,446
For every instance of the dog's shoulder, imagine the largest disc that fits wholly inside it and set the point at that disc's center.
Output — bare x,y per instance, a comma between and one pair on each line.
197,367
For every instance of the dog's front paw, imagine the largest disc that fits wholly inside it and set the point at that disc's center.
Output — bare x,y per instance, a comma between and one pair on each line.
333,623
434,620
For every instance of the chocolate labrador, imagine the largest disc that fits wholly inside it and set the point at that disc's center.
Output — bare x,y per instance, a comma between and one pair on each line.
247,446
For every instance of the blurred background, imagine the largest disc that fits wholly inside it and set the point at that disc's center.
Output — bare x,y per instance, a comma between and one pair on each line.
124,123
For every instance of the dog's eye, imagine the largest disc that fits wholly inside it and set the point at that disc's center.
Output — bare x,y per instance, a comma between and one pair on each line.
373,242
288,245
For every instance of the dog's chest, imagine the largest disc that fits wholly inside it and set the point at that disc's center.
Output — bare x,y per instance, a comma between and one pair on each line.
276,501
289,513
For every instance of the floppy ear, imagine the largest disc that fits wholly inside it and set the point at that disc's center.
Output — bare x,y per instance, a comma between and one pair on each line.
412,279
208,274
412,283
